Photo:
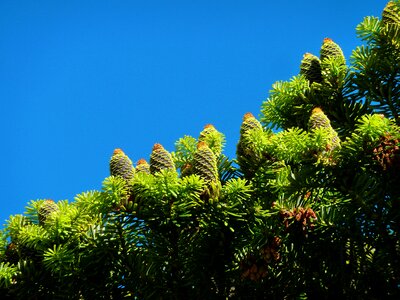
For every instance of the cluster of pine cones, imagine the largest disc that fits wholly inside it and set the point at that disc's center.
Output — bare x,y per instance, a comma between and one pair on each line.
313,68
256,267
387,153
204,163
298,218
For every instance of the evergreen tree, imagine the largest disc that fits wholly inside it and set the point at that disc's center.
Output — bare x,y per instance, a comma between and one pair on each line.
311,212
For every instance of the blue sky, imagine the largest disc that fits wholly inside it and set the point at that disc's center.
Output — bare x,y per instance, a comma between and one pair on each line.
80,78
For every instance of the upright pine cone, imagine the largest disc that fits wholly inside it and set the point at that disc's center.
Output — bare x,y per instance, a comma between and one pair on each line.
391,13
319,119
160,159
245,156
331,49
213,138
47,207
208,129
205,163
142,166
249,122
121,165
311,68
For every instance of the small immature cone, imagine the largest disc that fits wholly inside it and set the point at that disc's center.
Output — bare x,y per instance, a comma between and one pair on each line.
319,119
249,122
208,129
160,159
391,13
311,68
331,49
47,207
205,163
121,165
213,138
142,166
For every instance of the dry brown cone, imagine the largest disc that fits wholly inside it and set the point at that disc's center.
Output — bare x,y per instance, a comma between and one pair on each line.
387,154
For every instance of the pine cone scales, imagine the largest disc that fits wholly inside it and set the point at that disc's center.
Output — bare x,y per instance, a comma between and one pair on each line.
48,207
205,163
245,155
249,122
318,119
121,165
142,166
331,49
208,129
160,159
213,138
391,13
310,67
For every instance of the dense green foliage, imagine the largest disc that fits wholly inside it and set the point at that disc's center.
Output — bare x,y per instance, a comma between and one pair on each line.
311,210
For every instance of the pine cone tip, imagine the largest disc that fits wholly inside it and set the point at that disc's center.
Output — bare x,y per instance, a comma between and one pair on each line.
157,147
316,110
201,145
141,161
247,116
118,151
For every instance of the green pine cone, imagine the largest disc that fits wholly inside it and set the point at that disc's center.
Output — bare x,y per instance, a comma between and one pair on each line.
208,129
121,165
391,13
48,207
160,159
213,138
331,49
245,156
142,166
249,122
311,68
318,119
205,163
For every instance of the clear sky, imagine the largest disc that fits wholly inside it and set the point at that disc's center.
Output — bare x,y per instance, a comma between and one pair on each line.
80,78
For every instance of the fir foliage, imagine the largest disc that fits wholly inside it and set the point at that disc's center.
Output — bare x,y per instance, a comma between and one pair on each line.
311,212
